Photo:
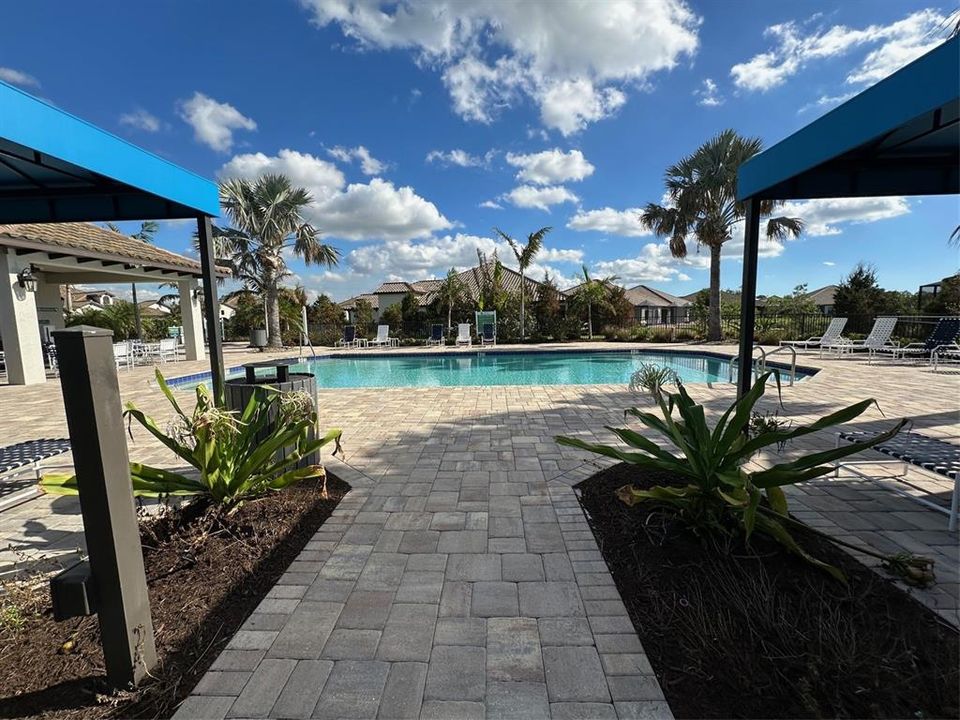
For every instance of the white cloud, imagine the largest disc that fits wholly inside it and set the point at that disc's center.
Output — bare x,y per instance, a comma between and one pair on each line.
140,119
551,166
360,211
214,122
18,77
893,46
708,94
460,158
369,165
829,263
528,196
824,217
573,59
827,101
607,220
491,205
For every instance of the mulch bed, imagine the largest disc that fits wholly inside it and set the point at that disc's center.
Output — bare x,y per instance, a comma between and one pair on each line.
738,632
206,572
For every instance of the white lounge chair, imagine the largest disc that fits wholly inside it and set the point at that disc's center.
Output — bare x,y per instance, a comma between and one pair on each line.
878,338
831,335
463,335
123,354
383,337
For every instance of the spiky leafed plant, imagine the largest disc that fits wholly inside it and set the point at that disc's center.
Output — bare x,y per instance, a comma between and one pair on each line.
702,191
525,255
592,292
452,290
268,217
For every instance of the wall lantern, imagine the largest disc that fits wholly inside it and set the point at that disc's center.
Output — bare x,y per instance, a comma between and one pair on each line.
27,280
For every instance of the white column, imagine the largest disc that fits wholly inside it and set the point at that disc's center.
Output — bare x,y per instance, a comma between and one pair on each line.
192,318
19,326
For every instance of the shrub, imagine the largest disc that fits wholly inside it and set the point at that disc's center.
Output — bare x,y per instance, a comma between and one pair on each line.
719,495
641,333
660,333
234,459
771,336
685,334
652,378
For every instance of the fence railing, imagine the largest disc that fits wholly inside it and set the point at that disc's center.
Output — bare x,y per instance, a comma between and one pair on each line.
768,328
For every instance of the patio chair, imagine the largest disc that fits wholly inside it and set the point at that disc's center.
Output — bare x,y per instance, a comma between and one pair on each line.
878,338
912,448
436,335
349,338
944,334
383,337
463,335
123,354
166,349
946,354
20,468
489,335
831,335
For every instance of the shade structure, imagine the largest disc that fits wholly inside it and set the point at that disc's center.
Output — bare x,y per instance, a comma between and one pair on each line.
898,137
56,167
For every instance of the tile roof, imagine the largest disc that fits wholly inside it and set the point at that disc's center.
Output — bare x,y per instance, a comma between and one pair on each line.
351,303
393,287
644,295
92,241
822,296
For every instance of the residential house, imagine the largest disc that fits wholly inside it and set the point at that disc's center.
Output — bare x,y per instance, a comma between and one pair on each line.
823,298
656,307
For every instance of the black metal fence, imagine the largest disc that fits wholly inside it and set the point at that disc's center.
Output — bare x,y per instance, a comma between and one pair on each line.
769,328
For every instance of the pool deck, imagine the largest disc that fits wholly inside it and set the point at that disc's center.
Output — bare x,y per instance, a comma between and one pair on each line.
459,577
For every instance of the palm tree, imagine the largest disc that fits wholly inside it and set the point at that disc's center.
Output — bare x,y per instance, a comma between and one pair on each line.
525,256
268,218
452,290
593,291
703,189
147,230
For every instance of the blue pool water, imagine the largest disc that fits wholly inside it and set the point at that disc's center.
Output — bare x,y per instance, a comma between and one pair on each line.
493,368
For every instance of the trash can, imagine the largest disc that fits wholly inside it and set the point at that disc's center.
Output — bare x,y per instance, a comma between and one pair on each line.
258,338
237,394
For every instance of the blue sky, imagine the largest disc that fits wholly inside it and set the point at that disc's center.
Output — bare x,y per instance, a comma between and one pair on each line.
418,127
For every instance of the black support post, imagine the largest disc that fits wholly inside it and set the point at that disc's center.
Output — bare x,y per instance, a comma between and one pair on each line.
91,396
211,305
748,296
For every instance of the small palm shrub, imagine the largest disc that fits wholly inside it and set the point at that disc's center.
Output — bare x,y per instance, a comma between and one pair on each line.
717,494
651,378
236,456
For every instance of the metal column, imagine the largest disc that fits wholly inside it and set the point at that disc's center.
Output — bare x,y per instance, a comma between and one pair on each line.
748,295
91,396
211,302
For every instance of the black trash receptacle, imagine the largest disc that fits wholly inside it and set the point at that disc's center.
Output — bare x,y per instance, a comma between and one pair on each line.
258,338
237,394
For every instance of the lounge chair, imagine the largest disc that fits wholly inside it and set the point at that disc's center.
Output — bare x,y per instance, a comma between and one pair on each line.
349,338
831,335
945,334
946,354
463,335
489,335
383,337
912,448
20,468
878,339
436,335
123,354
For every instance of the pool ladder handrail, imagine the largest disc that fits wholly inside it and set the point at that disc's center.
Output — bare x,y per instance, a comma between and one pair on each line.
760,364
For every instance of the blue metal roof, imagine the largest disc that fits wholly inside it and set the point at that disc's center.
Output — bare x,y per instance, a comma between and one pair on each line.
55,167
899,137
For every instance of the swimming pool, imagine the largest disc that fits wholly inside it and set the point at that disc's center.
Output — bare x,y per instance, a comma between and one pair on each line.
487,368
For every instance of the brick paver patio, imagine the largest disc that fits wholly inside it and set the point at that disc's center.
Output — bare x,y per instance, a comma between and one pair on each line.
459,577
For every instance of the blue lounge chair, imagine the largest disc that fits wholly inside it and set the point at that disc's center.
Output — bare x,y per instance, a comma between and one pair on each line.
20,468
349,338
436,335
944,335
489,336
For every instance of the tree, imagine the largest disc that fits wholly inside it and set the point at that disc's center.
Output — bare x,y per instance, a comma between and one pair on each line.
591,292
363,317
947,300
451,293
525,255
409,308
268,218
858,295
546,308
797,303
702,188
392,316
147,230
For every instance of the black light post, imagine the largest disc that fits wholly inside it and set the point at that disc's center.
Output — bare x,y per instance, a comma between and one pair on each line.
211,308
748,295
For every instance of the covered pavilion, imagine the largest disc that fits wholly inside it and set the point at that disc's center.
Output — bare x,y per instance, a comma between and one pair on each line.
898,137
56,168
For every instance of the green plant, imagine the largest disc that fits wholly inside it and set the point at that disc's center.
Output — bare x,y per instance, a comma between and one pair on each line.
719,494
660,333
767,422
651,378
237,456
685,334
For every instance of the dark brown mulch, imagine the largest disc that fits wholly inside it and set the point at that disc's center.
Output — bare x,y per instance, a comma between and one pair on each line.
737,632
206,572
